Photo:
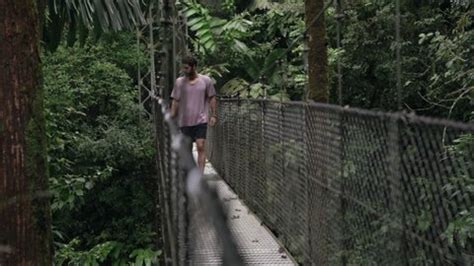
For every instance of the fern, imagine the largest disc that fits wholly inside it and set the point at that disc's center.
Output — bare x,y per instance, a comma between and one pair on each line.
210,32
203,25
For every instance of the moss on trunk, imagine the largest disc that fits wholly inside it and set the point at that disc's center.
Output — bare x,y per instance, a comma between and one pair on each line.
25,218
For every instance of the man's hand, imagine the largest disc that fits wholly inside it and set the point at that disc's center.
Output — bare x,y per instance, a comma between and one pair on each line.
213,121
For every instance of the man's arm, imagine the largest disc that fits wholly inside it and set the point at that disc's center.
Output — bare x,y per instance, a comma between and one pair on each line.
213,106
174,108
176,95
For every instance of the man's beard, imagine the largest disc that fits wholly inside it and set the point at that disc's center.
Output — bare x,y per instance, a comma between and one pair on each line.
190,74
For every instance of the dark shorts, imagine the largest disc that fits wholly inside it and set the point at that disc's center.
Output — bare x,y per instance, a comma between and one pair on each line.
195,132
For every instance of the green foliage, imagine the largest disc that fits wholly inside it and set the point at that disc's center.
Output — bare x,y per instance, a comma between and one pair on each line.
215,70
436,67
211,32
100,155
251,50
235,87
145,257
451,73
228,6
107,252
369,77
80,17
95,256
460,230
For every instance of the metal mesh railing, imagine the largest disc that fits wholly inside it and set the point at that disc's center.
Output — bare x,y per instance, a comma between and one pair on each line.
348,186
185,194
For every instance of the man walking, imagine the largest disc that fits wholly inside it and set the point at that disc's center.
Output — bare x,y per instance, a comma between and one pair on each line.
193,95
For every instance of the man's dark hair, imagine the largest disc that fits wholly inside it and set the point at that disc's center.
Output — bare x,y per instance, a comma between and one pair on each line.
189,60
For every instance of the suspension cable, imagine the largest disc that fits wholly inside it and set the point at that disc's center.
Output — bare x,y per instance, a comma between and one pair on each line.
339,16
397,49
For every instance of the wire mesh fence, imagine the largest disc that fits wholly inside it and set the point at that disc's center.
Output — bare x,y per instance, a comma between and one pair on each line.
348,186
187,203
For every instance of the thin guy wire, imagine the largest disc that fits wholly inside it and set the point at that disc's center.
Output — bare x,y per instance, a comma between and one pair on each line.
398,47
339,66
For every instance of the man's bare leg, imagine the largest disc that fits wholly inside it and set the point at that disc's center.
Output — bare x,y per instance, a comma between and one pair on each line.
200,146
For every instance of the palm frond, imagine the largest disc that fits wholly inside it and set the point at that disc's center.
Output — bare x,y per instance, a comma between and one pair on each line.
111,14
84,16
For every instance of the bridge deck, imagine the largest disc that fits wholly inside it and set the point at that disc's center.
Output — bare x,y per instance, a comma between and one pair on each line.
256,244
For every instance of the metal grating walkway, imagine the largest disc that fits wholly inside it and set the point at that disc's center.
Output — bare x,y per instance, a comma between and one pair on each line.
256,244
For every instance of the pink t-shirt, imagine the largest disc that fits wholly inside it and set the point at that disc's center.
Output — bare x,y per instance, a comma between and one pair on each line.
193,107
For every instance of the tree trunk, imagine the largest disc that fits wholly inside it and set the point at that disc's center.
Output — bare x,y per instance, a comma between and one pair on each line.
25,218
317,57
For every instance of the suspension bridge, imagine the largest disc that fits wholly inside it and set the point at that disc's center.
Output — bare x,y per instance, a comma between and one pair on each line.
304,183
